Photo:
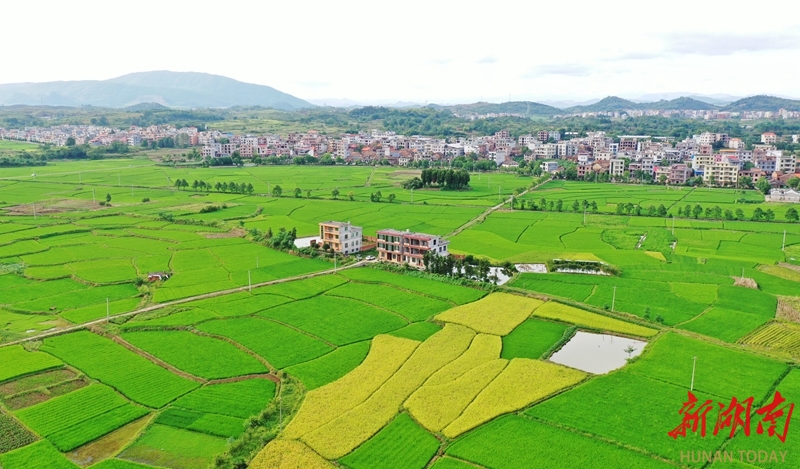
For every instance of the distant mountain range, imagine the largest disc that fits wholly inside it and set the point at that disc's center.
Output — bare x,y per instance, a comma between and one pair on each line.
164,89
614,103
525,108
763,103
170,89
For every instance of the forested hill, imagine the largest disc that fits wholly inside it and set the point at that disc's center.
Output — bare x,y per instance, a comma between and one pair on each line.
525,108
172,89
613,103
763,103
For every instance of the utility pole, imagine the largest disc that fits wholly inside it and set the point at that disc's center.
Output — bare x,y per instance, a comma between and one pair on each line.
783,246
334,261
673,225
119,180
256,262
93,195
694,365
613,298
108,312
584,216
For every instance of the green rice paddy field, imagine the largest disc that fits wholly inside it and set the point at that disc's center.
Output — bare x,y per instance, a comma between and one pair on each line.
365,368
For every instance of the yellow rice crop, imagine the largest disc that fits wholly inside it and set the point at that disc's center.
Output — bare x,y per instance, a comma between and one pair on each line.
435,407
498,313
522,382
484,347
324,404
343,434
288,454
553,310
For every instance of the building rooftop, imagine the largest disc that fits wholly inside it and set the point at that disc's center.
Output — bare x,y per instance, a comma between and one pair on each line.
338,223
407,233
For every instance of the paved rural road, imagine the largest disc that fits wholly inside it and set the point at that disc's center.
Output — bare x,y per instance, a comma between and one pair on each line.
181,301
480,218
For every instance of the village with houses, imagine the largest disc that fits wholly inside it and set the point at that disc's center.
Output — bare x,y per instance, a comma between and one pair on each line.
713,159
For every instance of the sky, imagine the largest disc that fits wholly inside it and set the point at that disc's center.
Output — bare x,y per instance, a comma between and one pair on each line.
419,51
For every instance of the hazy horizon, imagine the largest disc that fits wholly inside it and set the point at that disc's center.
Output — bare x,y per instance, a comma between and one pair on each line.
344,51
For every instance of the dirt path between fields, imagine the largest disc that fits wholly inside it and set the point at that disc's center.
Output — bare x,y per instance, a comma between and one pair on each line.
156,360
236,379
180,301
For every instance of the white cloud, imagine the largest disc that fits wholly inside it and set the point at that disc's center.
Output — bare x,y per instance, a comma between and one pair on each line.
420,51
727,44
571,70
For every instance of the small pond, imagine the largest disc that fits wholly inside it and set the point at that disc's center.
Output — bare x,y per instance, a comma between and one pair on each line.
597,353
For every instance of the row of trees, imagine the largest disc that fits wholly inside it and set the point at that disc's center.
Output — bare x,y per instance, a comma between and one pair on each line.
717,213
283,239
219,186
377,196
638,210
234,160
687,211
452,266
277,191
447,179
468,267
553,206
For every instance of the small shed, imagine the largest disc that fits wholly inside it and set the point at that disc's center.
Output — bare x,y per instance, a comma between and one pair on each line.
157,276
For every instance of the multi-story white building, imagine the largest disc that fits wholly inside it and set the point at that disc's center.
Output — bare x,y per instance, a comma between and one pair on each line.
134,140
528,141
706,138
405,247
616,167
769,138
546,151
721,173
342,237
566,149
736,144
786,163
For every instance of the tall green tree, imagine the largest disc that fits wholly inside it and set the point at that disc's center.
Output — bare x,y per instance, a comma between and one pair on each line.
763,185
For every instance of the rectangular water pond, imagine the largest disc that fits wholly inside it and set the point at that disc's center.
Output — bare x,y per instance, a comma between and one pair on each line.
597,353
